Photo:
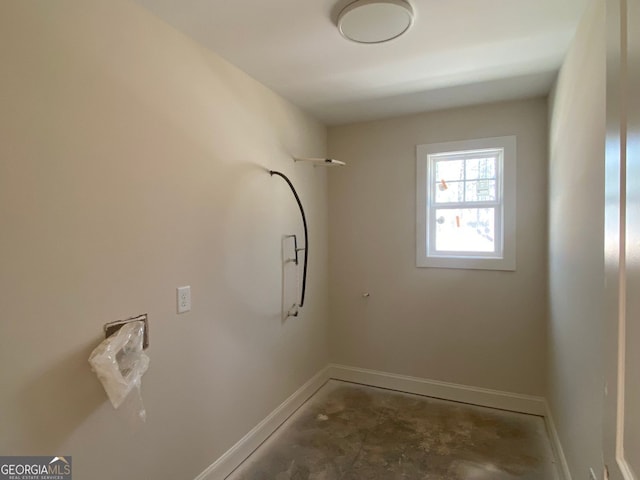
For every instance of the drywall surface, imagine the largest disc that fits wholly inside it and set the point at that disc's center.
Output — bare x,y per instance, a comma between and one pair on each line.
132,162
473,327
576,245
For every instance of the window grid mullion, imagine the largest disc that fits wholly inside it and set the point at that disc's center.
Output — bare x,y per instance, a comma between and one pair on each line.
464,181
466,205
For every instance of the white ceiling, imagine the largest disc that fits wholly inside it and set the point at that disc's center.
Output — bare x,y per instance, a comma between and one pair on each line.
458,52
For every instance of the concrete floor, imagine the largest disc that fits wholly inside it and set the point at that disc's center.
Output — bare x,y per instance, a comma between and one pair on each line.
349,432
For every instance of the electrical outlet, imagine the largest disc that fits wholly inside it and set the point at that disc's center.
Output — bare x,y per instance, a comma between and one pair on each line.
592,474
184,299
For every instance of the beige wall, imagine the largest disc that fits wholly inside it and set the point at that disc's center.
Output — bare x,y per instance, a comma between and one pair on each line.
576,245
133,161
478,328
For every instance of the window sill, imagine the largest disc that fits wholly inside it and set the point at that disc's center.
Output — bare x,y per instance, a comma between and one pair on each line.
468,263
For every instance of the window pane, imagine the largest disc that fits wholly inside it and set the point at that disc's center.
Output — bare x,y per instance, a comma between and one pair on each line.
465,230
481,168
449,192
480,191
449,170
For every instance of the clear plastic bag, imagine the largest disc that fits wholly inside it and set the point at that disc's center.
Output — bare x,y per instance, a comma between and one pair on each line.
119,362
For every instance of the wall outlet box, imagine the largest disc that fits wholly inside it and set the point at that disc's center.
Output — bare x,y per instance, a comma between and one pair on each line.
184,299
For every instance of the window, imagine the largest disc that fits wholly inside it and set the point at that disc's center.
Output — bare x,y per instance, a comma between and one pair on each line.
466,204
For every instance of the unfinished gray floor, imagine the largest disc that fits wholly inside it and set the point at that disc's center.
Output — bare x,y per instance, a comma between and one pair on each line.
349,432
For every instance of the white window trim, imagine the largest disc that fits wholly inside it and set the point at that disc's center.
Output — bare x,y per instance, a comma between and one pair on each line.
508,259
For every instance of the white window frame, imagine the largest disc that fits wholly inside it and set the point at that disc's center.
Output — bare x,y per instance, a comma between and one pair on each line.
505,221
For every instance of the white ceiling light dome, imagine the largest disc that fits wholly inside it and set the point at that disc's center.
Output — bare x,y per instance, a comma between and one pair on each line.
375,21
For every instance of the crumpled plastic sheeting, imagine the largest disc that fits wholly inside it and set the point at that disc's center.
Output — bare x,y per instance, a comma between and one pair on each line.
119,362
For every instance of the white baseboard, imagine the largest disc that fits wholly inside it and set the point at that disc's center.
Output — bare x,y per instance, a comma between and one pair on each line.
233,457
533,405
447,391
562,465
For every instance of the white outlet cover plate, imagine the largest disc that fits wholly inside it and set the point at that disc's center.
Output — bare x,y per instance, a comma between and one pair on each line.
184,299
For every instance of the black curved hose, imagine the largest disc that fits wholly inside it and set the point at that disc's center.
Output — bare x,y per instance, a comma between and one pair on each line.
306,234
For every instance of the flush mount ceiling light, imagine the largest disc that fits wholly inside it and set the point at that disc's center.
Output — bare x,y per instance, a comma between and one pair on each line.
375,21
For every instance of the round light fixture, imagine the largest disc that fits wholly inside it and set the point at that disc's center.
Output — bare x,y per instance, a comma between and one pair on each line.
375,21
